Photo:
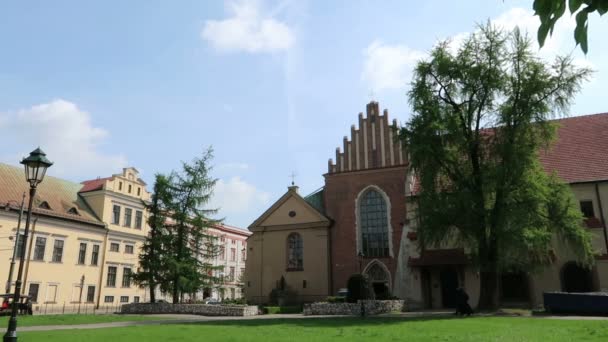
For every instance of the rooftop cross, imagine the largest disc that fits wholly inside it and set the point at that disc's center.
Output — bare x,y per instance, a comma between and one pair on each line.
293,178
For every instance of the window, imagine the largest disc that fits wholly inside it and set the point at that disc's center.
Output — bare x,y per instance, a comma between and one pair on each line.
90,294
124,299
222,253
73,211
231,274
119,186
95,255
126,277
243,254
40,247
58,251
114,247
135,299
33,292
116,214
44,205
111,281
373,223
82,253
20,246
138,191
295,260
232,293
108,299
51,293
587,209
242,272
138,219
304,284
128,212
129,188
233,242
129,249
232,254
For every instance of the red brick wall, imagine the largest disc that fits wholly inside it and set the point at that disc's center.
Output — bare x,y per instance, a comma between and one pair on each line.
341,191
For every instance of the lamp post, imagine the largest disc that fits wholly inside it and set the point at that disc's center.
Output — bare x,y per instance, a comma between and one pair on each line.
361,287
35,169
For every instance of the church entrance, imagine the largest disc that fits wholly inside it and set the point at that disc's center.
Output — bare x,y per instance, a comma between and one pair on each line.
575,278
448,279
379,280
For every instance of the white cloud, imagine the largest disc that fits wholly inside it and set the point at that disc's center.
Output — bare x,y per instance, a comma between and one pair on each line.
238,200
387,66
65,133
247,29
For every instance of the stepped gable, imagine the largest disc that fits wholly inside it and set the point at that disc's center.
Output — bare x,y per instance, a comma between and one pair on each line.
371,146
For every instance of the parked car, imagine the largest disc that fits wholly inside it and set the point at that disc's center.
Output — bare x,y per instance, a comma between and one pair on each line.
212,301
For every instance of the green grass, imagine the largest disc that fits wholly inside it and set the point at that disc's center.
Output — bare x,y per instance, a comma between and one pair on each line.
28,321
347,329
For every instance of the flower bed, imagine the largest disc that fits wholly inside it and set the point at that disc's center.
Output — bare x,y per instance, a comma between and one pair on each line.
192,309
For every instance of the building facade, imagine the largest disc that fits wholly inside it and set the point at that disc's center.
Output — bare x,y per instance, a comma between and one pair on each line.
369,200
85,239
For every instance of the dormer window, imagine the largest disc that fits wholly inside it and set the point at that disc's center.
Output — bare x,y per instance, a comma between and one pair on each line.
73,211
44,205
129,188
119,186
138,191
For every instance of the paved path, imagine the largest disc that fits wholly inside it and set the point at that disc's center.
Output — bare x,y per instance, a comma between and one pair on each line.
186,319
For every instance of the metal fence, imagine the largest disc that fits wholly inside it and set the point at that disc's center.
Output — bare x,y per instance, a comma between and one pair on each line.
74,308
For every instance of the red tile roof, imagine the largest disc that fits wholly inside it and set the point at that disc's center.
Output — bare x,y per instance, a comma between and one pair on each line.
580,152
60,195
93,184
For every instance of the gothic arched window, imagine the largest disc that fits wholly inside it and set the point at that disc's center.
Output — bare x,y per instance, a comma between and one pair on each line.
373,223
295,260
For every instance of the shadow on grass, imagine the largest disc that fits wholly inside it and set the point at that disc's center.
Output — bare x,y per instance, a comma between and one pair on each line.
327,322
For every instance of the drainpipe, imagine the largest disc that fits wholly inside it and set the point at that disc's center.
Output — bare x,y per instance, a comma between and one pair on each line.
599,203
101,267
262,266
29,254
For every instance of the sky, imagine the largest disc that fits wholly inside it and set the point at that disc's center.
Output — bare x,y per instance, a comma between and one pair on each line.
272,86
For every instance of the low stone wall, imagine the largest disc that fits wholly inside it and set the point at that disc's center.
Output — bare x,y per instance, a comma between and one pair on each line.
192,309
372,307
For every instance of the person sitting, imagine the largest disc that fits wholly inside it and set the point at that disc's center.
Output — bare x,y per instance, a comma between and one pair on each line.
462,303
5,305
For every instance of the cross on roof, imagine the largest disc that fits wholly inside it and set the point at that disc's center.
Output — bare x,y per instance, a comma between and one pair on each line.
293,178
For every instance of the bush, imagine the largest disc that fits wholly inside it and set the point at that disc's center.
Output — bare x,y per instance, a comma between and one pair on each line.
272,310
358,288
333,299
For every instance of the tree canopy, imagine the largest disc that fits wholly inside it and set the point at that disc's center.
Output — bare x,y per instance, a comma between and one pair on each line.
550,11
480,118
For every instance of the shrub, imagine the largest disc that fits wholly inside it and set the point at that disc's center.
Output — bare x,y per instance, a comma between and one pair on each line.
358,288
271,310
333,299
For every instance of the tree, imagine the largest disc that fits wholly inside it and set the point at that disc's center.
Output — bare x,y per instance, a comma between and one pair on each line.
189,245
481,117
550,11
151,259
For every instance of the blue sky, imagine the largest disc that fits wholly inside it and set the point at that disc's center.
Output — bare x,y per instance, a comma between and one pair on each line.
273,86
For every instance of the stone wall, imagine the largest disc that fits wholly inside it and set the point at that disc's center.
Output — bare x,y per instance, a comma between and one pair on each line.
372,307
192,309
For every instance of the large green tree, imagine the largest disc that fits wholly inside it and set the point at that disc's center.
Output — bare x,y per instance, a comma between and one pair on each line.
190,247
480,117
151,259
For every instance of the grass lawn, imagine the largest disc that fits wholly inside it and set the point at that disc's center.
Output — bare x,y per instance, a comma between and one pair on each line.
348,329
27,321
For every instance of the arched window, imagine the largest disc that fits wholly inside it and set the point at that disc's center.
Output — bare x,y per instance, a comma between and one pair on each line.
295,260
373,223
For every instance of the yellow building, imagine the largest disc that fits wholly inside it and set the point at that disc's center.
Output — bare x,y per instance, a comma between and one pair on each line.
84,238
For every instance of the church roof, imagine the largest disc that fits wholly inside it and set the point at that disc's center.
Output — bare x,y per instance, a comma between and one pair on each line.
316,200
55,197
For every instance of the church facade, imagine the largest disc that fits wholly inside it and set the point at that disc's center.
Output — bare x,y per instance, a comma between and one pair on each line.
363,220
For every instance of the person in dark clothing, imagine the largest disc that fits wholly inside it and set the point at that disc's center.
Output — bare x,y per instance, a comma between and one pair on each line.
462,303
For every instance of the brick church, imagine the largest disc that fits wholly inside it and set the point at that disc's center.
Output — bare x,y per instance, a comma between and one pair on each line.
363,220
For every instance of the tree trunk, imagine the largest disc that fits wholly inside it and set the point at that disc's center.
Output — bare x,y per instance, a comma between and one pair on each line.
488,290
152,294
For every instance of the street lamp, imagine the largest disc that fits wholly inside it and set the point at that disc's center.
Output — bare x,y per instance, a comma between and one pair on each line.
35,169
361,287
